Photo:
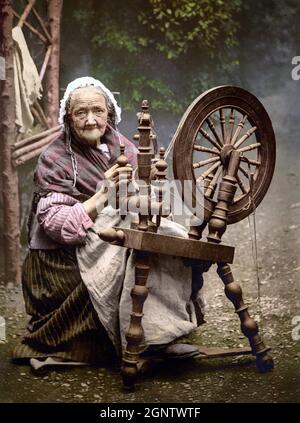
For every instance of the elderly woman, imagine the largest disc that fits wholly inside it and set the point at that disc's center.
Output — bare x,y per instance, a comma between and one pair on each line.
63,321
80,304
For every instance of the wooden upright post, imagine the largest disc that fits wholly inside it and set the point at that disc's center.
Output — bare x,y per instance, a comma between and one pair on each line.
52,73
9,175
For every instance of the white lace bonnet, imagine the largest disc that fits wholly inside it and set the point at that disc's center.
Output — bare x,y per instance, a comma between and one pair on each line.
87,81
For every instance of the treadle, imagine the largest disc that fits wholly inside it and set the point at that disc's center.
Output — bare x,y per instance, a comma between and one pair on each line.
218,352
146,364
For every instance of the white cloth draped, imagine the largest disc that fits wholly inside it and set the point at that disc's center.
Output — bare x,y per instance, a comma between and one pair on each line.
108,273
28,86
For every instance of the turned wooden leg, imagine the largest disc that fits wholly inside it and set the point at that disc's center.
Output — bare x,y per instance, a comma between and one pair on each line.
198,268
249,327
197,284
135,332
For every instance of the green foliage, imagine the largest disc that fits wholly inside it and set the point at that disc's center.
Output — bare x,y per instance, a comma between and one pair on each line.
184,24
168,51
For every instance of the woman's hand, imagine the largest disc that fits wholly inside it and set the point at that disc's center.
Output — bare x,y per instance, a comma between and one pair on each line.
115,175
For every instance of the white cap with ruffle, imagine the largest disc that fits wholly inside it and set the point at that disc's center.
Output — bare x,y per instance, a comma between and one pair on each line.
86,81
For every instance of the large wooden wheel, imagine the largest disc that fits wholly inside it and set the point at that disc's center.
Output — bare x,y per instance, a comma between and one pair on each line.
222,119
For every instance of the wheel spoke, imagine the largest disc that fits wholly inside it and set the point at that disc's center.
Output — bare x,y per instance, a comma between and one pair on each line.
208,171
210,139
211,187
238,129
231,126
249,147
241,185
205,162
205,149
244,172
249,161
213,130
223,125
246,136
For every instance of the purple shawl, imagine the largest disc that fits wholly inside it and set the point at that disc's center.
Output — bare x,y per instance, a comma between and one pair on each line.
54,170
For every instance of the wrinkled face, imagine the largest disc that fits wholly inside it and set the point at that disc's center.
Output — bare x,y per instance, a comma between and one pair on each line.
88,112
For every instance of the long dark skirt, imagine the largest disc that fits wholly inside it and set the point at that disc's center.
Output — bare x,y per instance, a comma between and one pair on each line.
63,321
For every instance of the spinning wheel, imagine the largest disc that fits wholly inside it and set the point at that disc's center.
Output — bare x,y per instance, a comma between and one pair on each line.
226,140
219,121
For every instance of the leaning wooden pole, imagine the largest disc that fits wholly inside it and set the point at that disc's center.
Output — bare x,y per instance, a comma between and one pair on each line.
52,73
9,175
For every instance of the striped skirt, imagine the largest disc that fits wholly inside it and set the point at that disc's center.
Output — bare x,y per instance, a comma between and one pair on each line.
63,321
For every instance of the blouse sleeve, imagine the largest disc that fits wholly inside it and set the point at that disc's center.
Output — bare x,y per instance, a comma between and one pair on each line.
63,218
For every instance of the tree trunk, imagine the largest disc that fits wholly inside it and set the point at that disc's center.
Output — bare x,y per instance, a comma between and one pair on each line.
10,194
52,74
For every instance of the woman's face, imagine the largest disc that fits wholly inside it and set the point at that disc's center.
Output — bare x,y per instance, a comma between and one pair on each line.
88,112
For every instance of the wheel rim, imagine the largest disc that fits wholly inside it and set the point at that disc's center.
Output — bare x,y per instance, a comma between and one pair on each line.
221,119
